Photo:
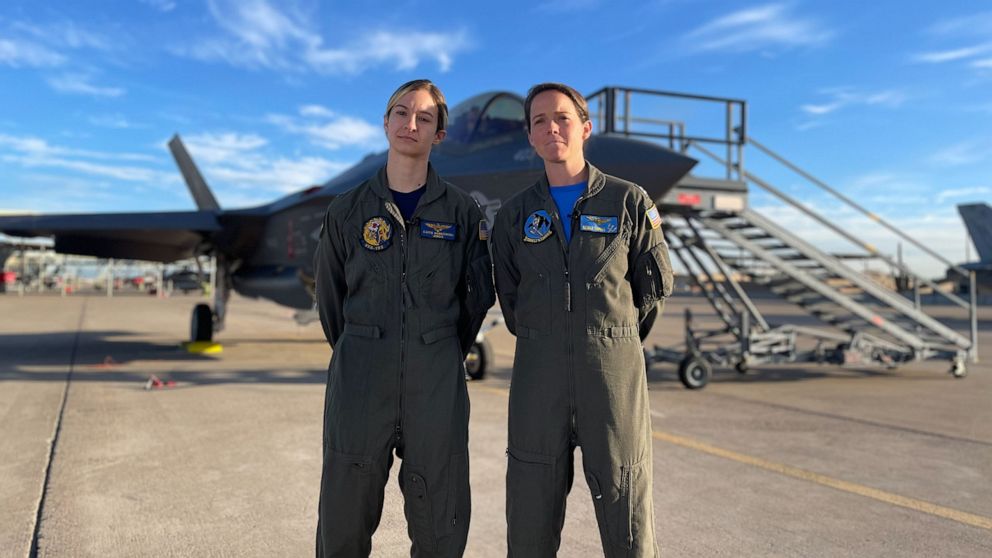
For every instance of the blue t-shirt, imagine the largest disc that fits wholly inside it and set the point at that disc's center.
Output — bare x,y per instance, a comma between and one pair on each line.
407,201
565,198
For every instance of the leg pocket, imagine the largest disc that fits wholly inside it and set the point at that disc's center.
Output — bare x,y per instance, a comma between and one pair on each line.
419,512
350,502
624,506
459,506
530,493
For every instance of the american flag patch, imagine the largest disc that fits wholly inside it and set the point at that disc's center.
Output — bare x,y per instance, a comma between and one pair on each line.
654,217
483,230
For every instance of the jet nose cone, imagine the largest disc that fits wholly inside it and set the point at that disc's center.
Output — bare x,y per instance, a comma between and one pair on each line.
655,168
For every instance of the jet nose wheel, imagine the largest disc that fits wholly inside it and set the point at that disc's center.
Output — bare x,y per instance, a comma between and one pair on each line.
202,323
478,359
694,372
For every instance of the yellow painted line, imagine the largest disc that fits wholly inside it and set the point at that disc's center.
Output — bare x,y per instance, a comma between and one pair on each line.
802,474
853,488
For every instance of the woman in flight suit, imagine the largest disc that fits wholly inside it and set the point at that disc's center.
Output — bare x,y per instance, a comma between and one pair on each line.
403,282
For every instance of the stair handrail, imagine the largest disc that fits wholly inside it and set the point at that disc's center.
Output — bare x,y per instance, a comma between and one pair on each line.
971,305
874,217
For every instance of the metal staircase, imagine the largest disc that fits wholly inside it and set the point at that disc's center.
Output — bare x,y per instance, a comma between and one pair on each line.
731,255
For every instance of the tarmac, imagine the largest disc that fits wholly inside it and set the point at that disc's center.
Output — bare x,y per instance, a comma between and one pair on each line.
787,460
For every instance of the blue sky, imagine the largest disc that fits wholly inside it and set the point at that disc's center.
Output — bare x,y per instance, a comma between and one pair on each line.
888,101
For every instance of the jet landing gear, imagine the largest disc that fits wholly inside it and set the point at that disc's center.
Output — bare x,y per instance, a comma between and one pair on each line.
202,324
206,320
480,354
477,360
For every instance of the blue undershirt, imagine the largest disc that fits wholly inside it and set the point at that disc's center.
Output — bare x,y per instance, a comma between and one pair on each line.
565,198
407,201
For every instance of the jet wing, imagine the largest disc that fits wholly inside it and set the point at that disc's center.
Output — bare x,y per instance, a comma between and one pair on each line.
160,237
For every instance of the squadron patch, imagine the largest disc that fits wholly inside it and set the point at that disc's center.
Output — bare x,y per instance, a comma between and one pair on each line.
654,217
438,230
377,234
483,229
599,224
537,228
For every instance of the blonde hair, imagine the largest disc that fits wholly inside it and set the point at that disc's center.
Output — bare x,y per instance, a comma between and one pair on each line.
581,106
428,85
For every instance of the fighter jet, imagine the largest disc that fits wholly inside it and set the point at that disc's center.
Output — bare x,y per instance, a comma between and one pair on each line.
266,251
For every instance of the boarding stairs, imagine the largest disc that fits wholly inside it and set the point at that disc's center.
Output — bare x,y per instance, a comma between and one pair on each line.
734,256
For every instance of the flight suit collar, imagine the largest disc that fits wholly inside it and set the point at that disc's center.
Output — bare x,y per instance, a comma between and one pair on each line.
435,189
596,182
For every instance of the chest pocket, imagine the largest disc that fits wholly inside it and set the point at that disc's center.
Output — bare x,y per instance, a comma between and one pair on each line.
606,250
367,274
609,305
533,310
435,260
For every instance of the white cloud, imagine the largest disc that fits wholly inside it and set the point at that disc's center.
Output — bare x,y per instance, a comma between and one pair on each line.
66,34
259,35
770,25
18,54
963,153
942,56
80,83
316,111
33,152
38,147
247,174
976,192
327,129
566,6
161,5
222,147
841,97
117,121
984,63
979,24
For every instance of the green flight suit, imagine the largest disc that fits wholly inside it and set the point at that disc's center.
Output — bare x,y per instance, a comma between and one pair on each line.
579,311
401,304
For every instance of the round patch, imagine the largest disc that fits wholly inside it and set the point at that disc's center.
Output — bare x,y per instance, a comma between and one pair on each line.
537,227
376,234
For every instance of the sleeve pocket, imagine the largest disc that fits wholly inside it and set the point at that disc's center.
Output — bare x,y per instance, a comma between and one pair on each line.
652,280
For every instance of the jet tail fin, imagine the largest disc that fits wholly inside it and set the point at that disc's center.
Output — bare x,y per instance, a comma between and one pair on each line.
977,218
202,195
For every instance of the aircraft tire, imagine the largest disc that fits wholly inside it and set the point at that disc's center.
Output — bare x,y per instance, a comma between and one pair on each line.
202,323
958,369
478,359
694,372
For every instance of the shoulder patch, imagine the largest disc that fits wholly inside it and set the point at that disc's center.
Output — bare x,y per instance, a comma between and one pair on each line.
537,227
654,216
377,234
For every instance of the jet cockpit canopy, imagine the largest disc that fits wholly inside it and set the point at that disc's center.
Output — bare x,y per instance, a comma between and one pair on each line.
486,116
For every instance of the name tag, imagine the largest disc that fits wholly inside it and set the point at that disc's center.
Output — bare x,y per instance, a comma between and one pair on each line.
439,230
599,224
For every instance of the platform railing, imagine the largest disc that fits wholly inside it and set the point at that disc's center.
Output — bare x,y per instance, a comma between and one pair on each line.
612,112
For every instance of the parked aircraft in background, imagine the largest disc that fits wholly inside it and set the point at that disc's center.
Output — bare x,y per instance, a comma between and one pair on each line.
977,219
266,251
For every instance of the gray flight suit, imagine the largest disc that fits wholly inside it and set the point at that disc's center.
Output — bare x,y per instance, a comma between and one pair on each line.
401,304
579,311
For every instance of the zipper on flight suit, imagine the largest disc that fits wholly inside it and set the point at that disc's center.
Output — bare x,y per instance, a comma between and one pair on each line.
568,324
404,300
568,310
